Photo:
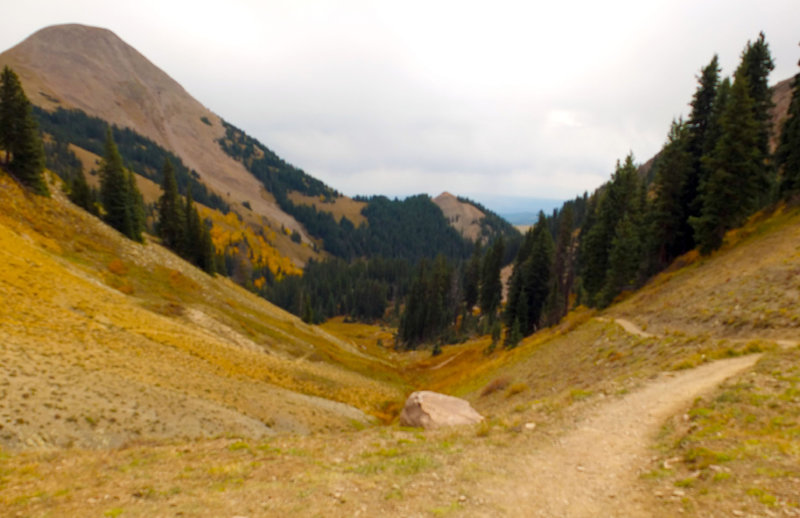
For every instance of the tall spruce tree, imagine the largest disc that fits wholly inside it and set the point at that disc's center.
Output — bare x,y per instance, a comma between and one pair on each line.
171,221
787,156
81,194
563,268
618,197
491,286
121,199
671,235
472,279
756,65
538,270
731,191
700,139
19,134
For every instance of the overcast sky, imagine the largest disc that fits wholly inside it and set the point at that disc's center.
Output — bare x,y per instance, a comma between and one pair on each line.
514,98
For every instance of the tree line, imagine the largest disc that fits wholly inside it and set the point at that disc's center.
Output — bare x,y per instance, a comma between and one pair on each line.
139,154
714,171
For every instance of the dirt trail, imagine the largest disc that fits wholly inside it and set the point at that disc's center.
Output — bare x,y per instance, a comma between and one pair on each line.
592,470
634,329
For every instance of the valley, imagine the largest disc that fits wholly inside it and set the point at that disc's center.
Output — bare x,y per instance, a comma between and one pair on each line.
192,326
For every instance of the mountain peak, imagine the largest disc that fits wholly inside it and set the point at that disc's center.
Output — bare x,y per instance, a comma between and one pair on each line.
92,69
444,196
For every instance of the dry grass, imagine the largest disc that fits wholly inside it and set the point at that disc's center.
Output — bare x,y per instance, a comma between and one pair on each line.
148,347
736,451
750,288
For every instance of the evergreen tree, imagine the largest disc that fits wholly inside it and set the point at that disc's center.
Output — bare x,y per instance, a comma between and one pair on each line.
787,156
517,281
698,139
537,277
171,221
207,259
619,197
623,261
671,234
756,65
563,270
472,279
19,134
736,165
121,199
136,203
491,285
81,194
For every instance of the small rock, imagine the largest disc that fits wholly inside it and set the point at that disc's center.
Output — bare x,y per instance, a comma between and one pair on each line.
679,492
736,512
462,498
530,426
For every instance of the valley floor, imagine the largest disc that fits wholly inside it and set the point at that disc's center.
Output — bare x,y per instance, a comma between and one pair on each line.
587,464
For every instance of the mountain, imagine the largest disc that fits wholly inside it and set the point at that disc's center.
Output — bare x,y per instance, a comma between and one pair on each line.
94,71
76,67
464,217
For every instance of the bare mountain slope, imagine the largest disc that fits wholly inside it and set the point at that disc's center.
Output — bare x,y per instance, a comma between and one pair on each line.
464,217
93,70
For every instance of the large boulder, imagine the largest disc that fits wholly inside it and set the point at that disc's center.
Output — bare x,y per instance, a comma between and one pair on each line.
428,409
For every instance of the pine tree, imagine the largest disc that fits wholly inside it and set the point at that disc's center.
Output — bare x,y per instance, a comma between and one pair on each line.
698,139
171,224
491,285
623,261
19,134
207,252
537,276
620,196
735,166
787,156
136,204
81,194
472,279
516,282
563,271
755,66
671,234
119,194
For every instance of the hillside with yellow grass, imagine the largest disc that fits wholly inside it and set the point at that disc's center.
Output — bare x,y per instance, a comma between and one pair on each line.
106,341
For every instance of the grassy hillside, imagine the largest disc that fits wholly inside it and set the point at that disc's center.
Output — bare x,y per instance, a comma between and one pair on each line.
107,341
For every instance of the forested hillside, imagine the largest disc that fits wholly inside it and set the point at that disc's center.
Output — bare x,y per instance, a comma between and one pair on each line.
716,169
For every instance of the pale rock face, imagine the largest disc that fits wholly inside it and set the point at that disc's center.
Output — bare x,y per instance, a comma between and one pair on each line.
426,409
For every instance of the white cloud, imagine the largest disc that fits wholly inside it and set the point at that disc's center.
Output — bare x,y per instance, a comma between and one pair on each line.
423,96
